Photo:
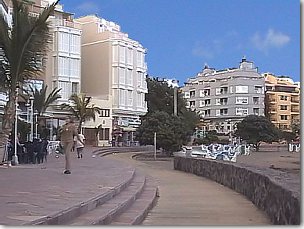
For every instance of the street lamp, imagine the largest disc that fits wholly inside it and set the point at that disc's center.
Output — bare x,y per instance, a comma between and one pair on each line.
15,156
31,117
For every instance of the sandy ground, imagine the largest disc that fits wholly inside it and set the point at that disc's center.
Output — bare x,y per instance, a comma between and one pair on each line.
274,156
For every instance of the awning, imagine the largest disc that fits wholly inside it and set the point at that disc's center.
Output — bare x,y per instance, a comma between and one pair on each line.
128,129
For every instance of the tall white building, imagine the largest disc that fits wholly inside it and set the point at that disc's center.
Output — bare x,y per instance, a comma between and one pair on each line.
113,65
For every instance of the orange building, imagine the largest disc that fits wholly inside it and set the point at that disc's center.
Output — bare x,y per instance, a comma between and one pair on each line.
282,101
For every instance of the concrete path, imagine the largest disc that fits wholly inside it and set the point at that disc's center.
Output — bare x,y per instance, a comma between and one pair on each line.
29,192
187,199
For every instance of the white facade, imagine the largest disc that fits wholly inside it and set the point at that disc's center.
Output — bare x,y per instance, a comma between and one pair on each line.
66,57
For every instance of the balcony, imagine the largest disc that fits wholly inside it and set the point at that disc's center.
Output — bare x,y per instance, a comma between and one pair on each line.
273,111
295,110
295,100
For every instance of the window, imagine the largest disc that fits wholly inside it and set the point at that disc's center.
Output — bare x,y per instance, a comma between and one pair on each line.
63,66
201,103
241,100
104,113
284,97
192,103
207,112
223,101
258,89
75,67
217,112
187,95
104,134
139,59
241,111
256,100
129,77
224,111
122,96
231,89
218,91
75,43
256,111
224,90
284,117
122,54
217,102
75,87
207,92
192,94
129,56
63,42
202,93
207,102
283,107
130,98
241,89
122,77
66,91
115,53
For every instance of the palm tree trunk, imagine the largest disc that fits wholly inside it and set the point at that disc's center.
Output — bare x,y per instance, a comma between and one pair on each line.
7,122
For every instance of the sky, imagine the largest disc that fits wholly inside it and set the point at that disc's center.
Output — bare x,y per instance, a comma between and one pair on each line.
181,36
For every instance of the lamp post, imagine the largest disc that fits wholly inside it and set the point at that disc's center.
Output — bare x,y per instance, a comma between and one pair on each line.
15,156
36,125
32,117
175,97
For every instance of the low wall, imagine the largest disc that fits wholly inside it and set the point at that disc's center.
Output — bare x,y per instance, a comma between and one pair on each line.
276,193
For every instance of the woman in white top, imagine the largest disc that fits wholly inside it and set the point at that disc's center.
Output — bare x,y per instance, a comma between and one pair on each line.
80,145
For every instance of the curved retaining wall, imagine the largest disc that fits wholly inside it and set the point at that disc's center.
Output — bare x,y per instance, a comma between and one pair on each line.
277,193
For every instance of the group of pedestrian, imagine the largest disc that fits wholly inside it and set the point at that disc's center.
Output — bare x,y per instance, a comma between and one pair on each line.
36,151
28,152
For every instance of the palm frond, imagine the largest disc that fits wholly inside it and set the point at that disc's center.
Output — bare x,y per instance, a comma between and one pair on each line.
30,37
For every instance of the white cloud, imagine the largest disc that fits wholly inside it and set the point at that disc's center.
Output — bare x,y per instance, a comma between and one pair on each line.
207,50
88,7
273,39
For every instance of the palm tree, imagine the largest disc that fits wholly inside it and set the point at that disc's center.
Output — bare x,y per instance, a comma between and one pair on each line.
23,48
81,108
41,100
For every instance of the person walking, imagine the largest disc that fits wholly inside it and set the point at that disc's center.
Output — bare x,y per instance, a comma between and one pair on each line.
67,133
79,145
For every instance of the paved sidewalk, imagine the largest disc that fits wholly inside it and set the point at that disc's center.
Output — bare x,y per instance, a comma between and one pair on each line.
29,192
189,200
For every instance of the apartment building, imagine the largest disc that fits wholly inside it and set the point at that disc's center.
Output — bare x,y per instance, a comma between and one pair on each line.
224,97
64,58
113,65
282,101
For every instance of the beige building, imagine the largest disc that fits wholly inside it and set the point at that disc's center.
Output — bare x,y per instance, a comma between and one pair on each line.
113,66
98,132
282,101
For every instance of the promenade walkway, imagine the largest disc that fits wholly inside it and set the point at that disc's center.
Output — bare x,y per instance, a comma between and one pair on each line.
187,199
29,192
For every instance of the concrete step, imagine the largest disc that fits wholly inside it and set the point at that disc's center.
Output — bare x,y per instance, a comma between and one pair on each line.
66,215
105,213
138,211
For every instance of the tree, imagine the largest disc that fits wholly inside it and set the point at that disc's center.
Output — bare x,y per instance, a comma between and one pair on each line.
256,129
296,127
23,49
169,129
81,108
210,137
160,99
42,101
